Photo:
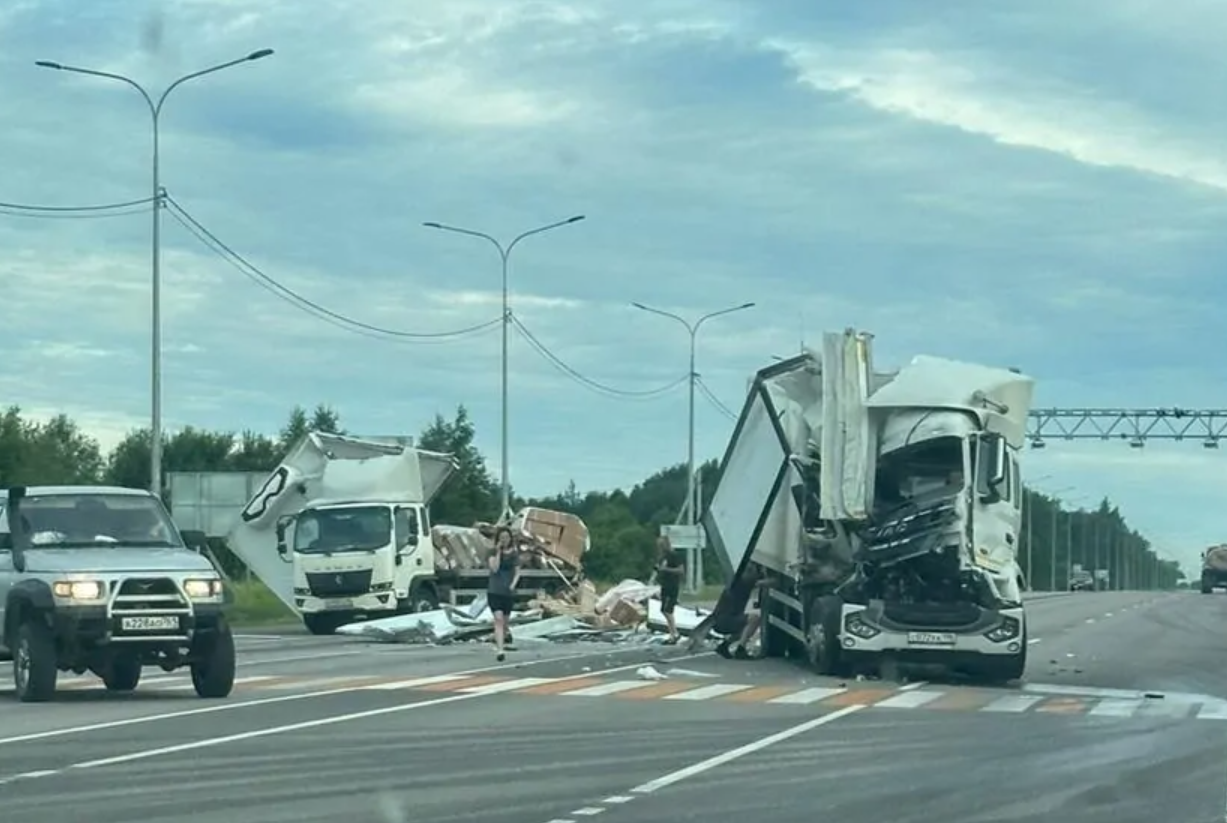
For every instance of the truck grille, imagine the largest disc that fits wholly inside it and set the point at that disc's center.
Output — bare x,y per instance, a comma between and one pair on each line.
339,584
943,615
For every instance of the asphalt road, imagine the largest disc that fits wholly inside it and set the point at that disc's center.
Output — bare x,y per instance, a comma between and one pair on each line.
1122,717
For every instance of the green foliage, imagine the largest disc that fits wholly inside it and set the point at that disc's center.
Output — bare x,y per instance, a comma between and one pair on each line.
623,524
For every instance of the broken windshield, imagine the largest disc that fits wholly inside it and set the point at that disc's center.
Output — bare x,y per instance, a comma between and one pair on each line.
354,528
83,520
918,471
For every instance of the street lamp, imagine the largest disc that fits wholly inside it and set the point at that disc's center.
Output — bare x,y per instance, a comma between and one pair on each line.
693,330
155,111
504,254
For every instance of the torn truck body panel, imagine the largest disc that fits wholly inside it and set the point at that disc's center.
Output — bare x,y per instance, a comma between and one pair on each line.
888,500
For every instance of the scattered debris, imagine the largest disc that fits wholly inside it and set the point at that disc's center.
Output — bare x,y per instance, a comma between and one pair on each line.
650,673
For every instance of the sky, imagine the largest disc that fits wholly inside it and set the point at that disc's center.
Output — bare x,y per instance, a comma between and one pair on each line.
1037,185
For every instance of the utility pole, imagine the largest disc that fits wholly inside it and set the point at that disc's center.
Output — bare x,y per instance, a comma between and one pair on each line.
505,253
692,502
159,196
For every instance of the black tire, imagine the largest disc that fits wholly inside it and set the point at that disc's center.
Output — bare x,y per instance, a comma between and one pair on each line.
34,663
214,664
822,632
324,623
423,599
122,673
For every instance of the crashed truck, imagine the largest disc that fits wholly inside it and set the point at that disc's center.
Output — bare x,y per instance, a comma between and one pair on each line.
1214,569
883,508
340,532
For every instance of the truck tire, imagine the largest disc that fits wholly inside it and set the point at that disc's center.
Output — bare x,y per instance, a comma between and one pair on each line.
1007,668
423,599
214,664
34,663
822,636
122,673
322,623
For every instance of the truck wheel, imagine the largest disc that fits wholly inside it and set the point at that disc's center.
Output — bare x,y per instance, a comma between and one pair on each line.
422,599
213,666
34,663
1006,669
122,673
325,622
822,636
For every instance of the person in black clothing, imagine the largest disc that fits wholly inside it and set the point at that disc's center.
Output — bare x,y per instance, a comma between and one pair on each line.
669,569
739,624
504,566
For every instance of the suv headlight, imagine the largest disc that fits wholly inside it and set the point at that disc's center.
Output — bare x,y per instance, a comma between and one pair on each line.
78,589
203,588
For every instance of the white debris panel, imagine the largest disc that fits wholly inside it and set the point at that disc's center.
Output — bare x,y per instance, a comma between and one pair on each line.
627,612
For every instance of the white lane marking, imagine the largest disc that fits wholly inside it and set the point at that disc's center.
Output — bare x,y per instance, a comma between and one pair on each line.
260,638
285,698
1107,614
1090,620
806,696
1213,711
180,686
589,811
296,658
913,686
1115,707
908,700
741,751
603,689
1082,691
507,685
708,692
1032,641
617,799
1013,703
416,682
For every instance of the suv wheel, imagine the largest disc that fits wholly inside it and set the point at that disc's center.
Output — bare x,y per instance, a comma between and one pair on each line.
122,673
34,663
214,663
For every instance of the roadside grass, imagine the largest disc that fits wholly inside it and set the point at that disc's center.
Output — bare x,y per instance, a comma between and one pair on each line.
254,604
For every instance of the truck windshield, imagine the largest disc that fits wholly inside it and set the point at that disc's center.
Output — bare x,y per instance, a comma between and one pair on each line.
87,519
920,470
354,528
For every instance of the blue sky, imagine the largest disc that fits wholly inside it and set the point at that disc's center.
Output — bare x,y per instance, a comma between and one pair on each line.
1036,184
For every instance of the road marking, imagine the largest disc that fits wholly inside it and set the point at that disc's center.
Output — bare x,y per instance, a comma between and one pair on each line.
285,698
604,689
908,700
268,731
913,686
1013,703
416,682
1213,711
807,696
1115,707
1032,641
507,685
708,692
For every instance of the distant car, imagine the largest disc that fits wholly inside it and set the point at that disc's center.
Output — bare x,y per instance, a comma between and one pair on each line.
1081,582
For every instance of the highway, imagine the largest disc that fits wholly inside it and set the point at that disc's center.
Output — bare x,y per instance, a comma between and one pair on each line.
1122,717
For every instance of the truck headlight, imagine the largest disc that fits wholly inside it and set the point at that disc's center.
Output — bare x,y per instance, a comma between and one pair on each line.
203,589
78,589
856,626
1008,630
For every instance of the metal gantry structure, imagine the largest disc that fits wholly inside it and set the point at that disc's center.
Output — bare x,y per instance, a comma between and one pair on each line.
1133,427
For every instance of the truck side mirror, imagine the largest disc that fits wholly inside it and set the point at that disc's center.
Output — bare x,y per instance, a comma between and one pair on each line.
992,468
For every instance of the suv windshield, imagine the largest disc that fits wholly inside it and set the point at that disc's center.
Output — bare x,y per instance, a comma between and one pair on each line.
89,519
354,528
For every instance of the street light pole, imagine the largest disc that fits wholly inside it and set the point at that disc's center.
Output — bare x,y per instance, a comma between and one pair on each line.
155,112
504,255
692,503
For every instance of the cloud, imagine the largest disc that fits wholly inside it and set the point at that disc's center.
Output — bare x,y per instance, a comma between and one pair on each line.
1004,185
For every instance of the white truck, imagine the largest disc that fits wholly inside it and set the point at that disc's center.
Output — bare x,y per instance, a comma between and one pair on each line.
340,531
884,509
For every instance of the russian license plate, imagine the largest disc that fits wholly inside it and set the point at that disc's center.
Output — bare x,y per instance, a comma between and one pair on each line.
150,623
930,639
338,604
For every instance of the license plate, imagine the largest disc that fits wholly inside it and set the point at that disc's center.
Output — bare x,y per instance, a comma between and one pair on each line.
339,604
146,624
930,638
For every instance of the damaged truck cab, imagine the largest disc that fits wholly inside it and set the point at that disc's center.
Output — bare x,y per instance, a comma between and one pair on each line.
885,508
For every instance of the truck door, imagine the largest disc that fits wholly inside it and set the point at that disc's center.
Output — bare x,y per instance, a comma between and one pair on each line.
407,529
997,519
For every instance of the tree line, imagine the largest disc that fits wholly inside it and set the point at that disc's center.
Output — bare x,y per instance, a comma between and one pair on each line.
623,523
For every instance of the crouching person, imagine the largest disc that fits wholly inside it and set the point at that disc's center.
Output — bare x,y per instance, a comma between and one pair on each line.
743,618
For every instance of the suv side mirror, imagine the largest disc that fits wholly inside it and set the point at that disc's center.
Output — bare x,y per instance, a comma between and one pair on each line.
195,539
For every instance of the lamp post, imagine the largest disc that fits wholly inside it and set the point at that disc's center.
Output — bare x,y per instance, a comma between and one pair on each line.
504,253
691,503
155,112
1052,545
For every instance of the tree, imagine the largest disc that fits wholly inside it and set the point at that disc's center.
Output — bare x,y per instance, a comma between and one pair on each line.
471,495
51,453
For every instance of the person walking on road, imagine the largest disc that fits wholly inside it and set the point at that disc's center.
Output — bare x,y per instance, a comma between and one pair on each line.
669,569
500,592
